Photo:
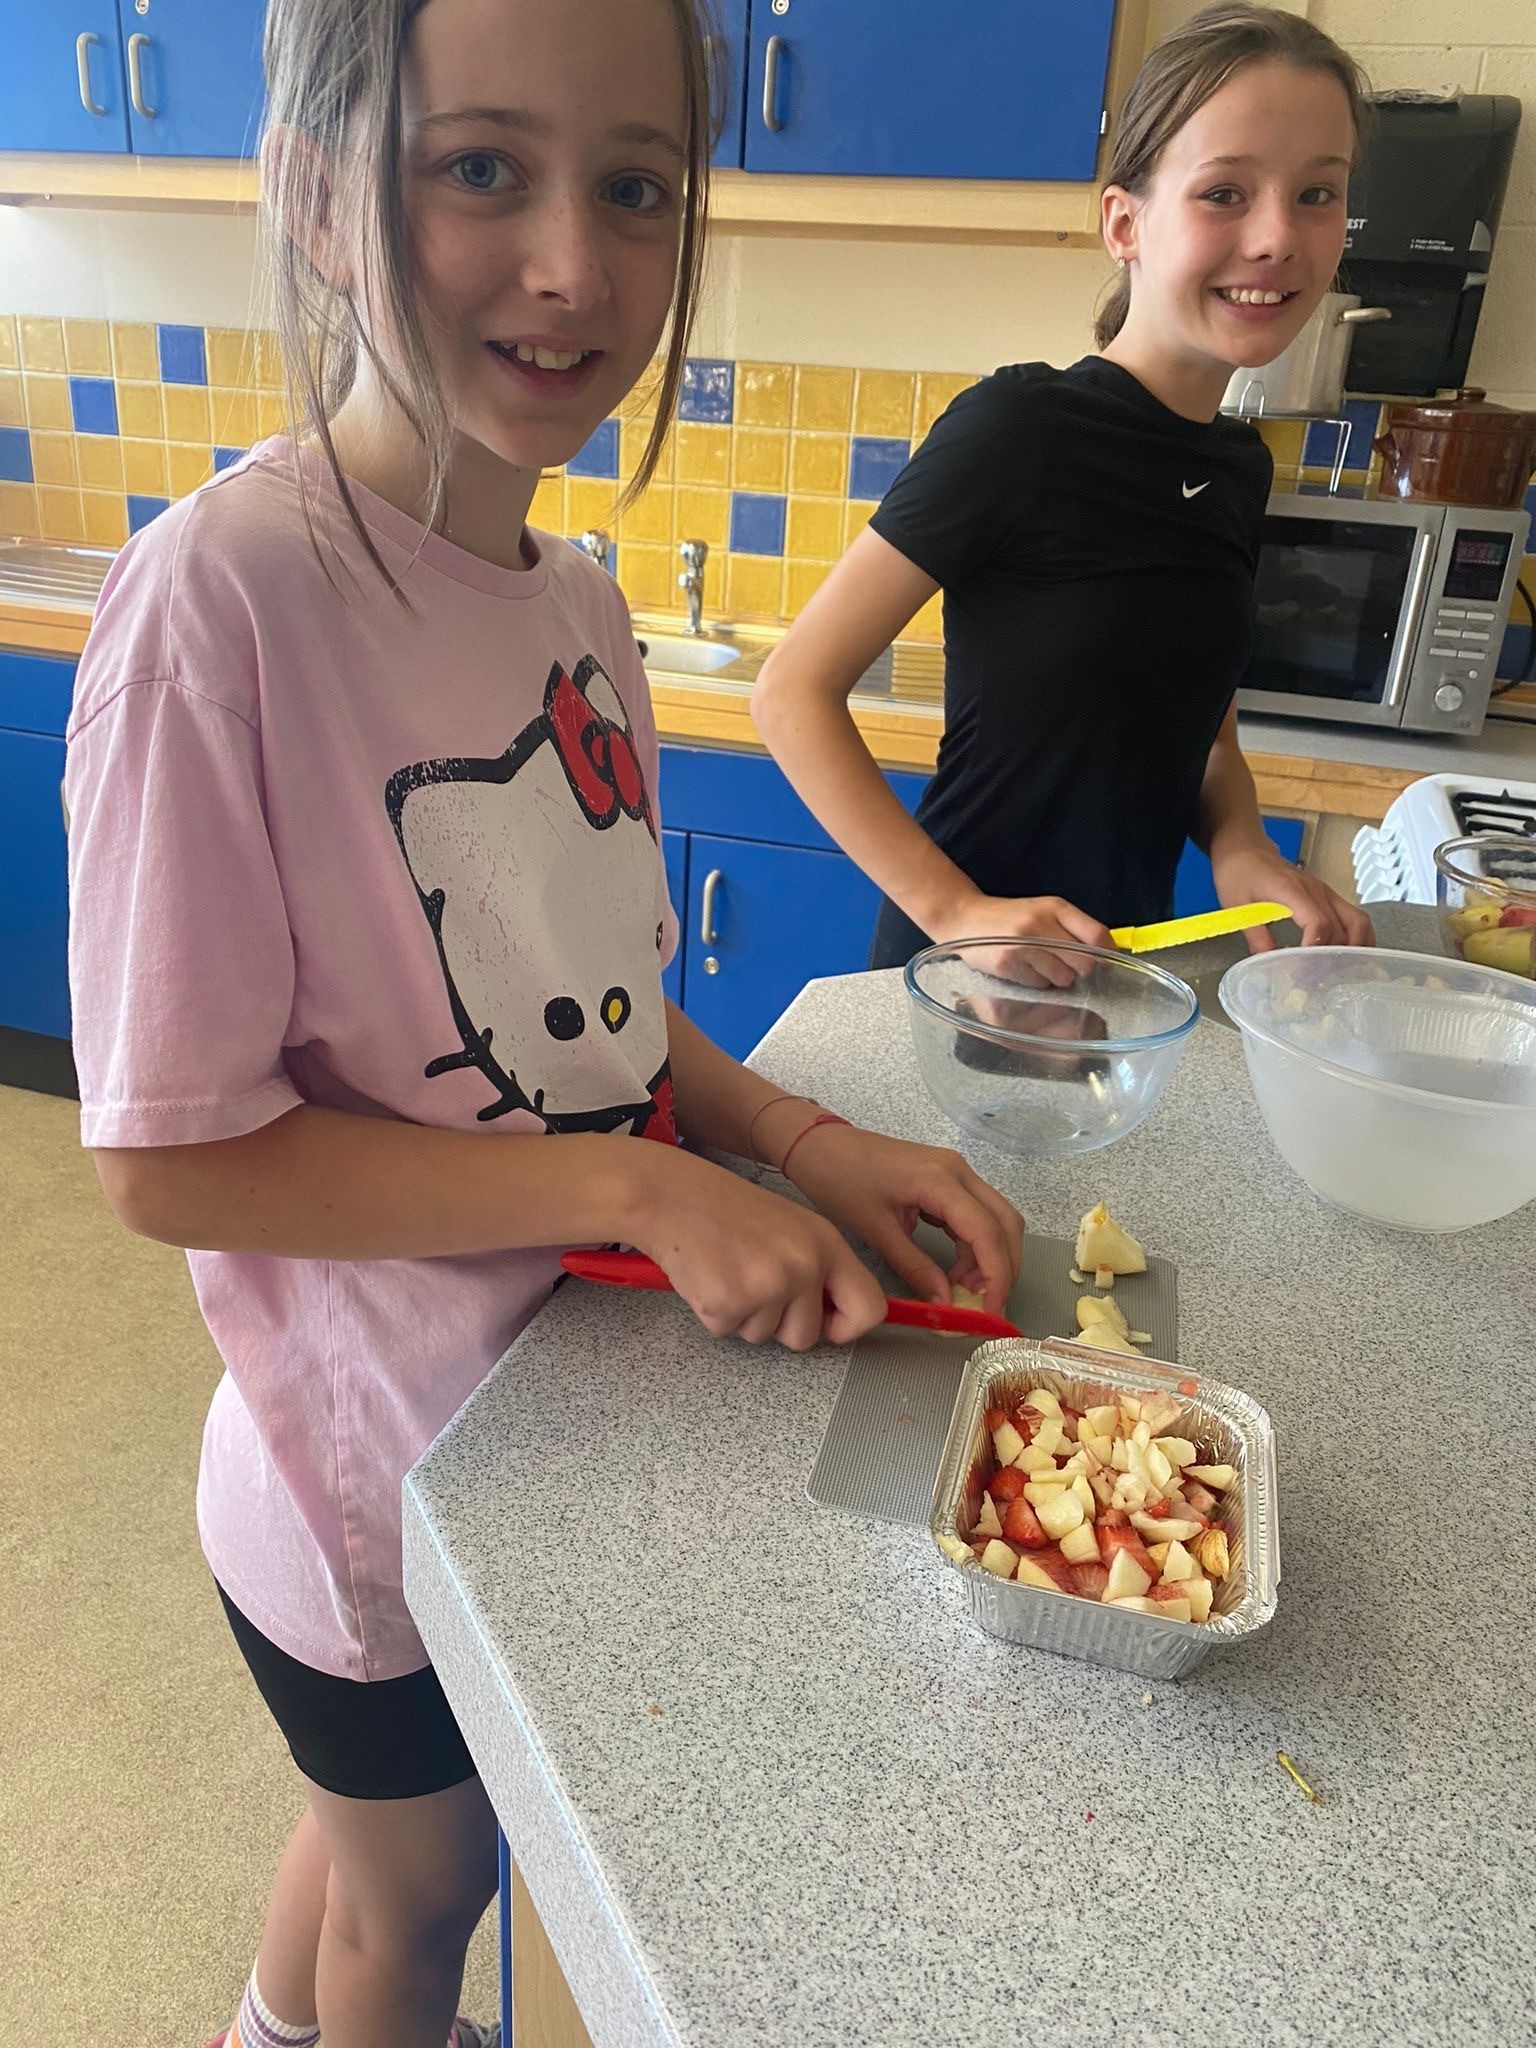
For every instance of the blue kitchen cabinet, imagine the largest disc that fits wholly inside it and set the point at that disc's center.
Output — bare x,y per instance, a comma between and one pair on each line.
154,77
1193,889
62,84
731,16
674,854
907,88
35,692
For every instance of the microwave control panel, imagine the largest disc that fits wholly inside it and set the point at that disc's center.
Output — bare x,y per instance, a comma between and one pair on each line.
1466,620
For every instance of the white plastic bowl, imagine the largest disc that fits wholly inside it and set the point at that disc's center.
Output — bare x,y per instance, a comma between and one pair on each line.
1397,1086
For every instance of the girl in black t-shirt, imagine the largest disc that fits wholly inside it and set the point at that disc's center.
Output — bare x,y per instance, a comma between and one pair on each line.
1095,532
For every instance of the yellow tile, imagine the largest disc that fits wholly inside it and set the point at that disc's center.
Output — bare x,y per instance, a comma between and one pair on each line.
187,468
267,356
936,391
139,412
106,518
824,400
61,516
928,622
701,512
547,512
48,402
819,462
1284,440
649,518
883,403
640,402
802,580
13,407
10,351
234,419
814,530
188,414
856,516
646,575
754,584
232,358
42,343
53,459
764,394
589,501
18,511
271,414
144,469
99,458
88,348
135,353
634,436
760,459
703,453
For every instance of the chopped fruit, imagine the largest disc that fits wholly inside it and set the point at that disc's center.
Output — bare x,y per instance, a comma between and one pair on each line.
1091,1580
1007,1443
1201,1593
1087,1499
1172,1603
1115,1519
1140,1337
1165,1529
987,1523
1048,1436
1021,1525
1158,1552
1511,948
1032,1574
1061,1514
1158,1411
1077,1279
1040,1491
1115,1543
1178,1450
996,1417
1137,1604
1155,1512
1032,1460
1212,1553
953,1548
998,1559
1219,1476
1104,1421
1199,1497
1080,1545
1102,1242
1093,1309
1514,914
1103,1490
1126,1577
1062,1575
1006,1485
1178,1565
1104,1276
1043,1401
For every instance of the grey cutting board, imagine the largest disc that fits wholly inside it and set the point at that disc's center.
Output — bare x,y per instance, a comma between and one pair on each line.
883,1442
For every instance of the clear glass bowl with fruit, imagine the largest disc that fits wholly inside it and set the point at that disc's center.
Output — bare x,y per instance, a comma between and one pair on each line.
1486,890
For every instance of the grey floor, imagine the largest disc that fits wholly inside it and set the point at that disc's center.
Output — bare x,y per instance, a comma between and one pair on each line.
144,1795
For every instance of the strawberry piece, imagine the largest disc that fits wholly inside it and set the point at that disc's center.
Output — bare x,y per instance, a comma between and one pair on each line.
1006,1484
1113,1538
995,1418
1021,1527
1514,914
1059,1569
1158,1509
1198,1499
1025,1420
1114,1518
1091,1580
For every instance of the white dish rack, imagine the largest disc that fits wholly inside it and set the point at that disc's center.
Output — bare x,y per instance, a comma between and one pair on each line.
1395,860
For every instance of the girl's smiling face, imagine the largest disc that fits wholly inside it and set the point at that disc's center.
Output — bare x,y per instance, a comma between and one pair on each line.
542,166
1240,230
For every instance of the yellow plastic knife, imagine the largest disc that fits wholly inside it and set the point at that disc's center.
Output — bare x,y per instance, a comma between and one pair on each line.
1184,931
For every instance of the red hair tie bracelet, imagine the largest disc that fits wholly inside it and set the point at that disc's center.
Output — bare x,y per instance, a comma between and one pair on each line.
826,1117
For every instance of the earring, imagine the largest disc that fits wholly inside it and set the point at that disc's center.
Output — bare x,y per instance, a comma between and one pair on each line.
1119,263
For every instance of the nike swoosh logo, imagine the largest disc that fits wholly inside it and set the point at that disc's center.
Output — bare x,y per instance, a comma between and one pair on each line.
1194,490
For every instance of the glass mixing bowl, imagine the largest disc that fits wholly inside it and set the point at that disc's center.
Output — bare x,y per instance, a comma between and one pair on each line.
1486,890
1045,1049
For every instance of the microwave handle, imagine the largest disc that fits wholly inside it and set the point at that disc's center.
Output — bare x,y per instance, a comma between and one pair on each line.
1408,639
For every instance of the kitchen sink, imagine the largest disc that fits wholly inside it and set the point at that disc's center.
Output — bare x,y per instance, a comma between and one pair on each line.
677,654
41,572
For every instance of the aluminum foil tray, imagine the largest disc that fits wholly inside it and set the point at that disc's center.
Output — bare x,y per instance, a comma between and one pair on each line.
1229,1428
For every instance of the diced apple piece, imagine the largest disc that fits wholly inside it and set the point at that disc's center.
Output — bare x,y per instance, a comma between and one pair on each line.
987,1523
1032,1574
1134,1603
1105,1337
1063,1511
1171,1603
1043,1401
1158,1553
1032,1460
1103,1488
1048,1437
1077,1463
1046,1486
1104,1421
1080,1545
1120,1454
998,1559
1102,1242
1211,1550
1126,1577
1218,1476
1201,1593
1085,1495
1198,1497
1131,1494
1158,1411
1093,1450
1141,1436
1177,1566
1159,1470
1104,1276
1165,1528
956,1550
1130,1412
1178,1450
1092,1309
1007,1443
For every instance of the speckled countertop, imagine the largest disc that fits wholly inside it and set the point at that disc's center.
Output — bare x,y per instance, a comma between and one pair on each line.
769,1786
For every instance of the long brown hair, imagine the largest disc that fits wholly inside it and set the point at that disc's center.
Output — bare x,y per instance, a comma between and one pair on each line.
333,79
1191,66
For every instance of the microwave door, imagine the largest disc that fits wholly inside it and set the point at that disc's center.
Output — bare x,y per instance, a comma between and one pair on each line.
1337,604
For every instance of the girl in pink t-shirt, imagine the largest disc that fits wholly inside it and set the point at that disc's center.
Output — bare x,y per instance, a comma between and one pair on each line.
369,910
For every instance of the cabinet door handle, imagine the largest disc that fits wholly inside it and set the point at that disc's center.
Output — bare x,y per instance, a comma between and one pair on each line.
136,48
772,55
83,47
707,933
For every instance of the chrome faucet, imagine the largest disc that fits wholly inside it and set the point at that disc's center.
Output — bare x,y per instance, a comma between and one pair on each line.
693,553
596,543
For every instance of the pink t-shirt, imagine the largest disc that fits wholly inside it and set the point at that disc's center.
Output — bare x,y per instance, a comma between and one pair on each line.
325,848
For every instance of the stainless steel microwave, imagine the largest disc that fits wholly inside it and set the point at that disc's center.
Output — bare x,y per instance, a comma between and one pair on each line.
1380,611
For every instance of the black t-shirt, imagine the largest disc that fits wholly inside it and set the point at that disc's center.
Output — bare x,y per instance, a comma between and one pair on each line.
1097,554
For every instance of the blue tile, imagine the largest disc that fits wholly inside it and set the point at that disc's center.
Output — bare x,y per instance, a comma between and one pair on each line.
15,455
709,391
142,510
874,465
599,456
183,358
757,523
1530,505
1322,443
93,401
226,458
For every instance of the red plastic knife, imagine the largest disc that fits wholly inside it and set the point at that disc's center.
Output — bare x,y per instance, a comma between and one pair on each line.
634,1269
